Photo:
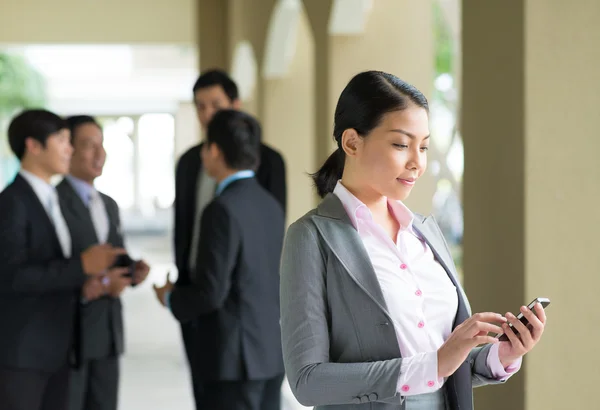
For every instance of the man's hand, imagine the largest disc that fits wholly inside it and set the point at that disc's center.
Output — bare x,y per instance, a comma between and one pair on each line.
96,259
162,291
115,281
93,289
141,272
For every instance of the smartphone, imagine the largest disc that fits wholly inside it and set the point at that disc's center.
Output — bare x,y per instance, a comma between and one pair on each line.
125,261
543,301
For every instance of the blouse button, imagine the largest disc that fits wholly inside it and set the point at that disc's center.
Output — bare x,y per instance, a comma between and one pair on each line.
421,325
405,388
403,266
418,292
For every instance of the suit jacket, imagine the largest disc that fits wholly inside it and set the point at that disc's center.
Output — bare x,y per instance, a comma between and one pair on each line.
234,299
270,174
339,343
39,288
101,322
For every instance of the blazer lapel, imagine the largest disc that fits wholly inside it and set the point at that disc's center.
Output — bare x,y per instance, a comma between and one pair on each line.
76,207
344,241
40,211
114,230
428,229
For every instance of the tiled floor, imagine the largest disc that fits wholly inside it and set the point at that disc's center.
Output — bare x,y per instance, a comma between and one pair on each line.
154,375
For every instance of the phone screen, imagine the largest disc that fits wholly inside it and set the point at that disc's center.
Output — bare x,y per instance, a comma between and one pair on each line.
543,301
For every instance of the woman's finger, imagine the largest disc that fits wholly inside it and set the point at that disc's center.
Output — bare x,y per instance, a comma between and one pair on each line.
479,327
536,326
540,313
524,332
482,340
513,338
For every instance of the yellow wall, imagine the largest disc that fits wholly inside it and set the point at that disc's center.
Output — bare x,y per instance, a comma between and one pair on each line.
398,45
563,198
98,21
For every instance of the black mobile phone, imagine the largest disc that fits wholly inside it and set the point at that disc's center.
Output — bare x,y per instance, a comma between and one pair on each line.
125,261
543,301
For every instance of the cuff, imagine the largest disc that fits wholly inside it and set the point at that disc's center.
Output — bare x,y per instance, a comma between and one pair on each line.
419,374
498,371
168,300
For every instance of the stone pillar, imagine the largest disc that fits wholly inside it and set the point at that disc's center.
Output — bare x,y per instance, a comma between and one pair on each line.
214,34
531,186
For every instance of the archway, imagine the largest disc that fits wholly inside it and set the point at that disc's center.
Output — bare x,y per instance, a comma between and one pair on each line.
289,83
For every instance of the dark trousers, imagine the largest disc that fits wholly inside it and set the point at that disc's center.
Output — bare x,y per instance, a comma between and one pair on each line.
33,389
95,386
188,335
241,395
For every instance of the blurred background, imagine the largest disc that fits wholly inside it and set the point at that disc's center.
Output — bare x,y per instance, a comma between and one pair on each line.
513,177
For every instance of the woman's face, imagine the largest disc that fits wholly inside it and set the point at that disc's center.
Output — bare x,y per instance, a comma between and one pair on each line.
393,156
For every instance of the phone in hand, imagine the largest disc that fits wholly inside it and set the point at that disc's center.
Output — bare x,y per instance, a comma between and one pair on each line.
125,261
543,301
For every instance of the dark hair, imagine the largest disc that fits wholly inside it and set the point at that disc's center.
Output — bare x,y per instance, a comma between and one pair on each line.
237,135
37,124
210,78
361,106
76,121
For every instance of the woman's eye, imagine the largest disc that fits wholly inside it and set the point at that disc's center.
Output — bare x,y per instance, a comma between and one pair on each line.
400,146
424,148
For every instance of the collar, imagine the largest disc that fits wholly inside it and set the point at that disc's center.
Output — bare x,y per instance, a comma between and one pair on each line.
245,174
358,211
83,188
43,190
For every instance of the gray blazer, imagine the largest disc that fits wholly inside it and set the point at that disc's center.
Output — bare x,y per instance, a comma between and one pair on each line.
339,344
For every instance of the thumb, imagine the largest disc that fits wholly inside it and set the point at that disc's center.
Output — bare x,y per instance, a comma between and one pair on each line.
169,277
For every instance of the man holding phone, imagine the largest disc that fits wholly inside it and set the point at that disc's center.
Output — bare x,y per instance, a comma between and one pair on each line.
93,217
40,275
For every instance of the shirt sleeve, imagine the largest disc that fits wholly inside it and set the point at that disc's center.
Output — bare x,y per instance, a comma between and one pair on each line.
498,371
419,374
168,300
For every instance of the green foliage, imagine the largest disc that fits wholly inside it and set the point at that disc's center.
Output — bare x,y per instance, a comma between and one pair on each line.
21,86
444,48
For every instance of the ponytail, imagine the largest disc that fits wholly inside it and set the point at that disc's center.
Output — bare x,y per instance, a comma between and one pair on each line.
326,178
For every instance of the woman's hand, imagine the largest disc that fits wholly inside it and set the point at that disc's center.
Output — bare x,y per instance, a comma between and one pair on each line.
518,345
472,332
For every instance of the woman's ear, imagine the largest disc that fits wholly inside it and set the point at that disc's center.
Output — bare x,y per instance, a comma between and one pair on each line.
351,142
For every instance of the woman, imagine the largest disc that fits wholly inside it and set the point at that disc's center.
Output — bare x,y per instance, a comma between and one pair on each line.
372,314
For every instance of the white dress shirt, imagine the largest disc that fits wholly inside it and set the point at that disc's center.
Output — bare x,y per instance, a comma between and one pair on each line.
420,297
48,196
205,192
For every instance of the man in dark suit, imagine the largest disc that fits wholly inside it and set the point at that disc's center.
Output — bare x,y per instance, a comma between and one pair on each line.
214,90
40,276
94,218
233,298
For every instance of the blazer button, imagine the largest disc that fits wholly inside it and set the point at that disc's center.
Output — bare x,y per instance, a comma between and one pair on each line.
373,396
356,400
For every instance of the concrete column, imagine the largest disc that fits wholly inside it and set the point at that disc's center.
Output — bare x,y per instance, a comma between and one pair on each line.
531,191
318,12
214,34
289,121
249,21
